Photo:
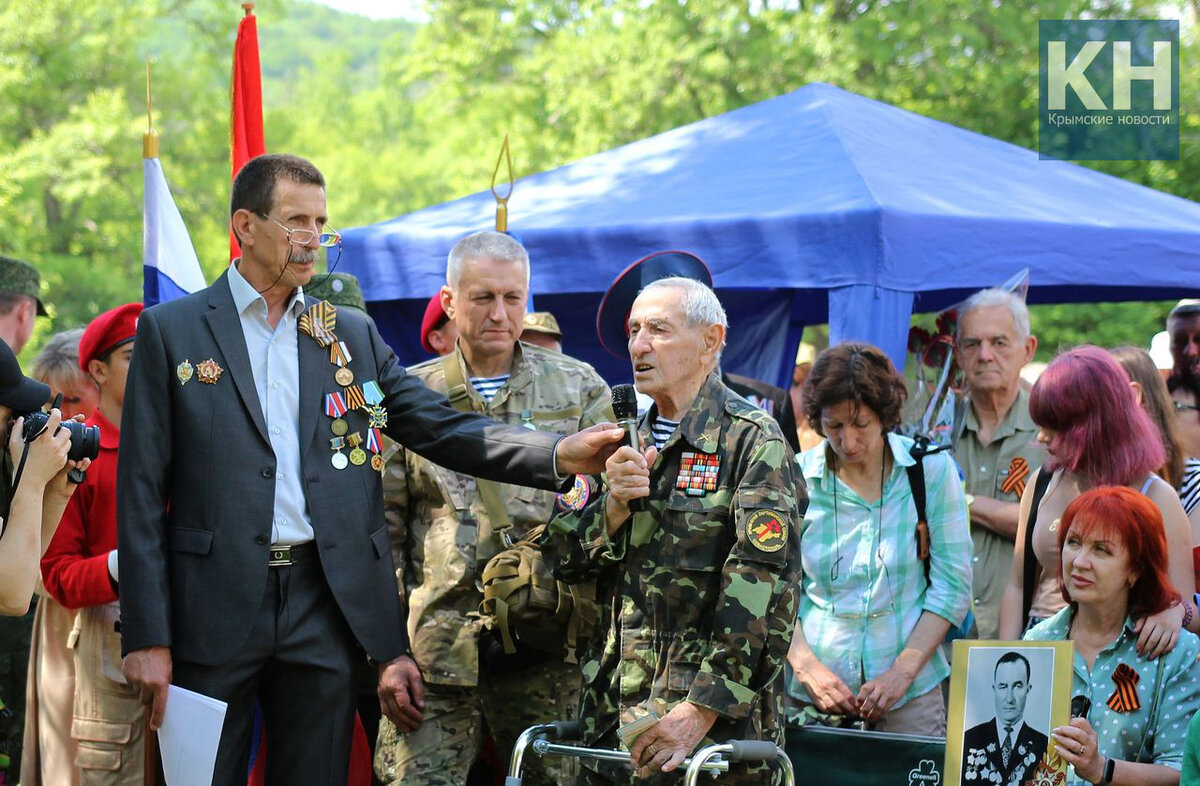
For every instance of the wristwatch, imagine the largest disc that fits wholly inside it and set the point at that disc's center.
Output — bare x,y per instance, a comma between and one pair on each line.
1110,768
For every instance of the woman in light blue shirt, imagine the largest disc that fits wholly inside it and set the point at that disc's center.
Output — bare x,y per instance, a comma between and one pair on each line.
1113,572
873,612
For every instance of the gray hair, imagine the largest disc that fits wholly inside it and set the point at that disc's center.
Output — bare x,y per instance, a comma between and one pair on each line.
699,304
994,296
59,359
495,246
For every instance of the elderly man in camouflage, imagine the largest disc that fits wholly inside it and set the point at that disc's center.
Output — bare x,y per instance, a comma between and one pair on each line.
446,526
694,543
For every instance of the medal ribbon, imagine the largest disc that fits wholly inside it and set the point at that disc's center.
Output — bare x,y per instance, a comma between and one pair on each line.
319,322
1125,697
354,440
372,393
374,440
339,354
1018,471
335,405
354,397
337,443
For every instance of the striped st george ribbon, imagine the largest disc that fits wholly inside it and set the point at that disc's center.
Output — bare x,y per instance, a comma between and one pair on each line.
1125,697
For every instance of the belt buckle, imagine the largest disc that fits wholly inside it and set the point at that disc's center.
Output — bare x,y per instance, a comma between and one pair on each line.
280,556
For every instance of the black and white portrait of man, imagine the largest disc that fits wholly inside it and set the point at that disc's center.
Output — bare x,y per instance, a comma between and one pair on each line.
1005,749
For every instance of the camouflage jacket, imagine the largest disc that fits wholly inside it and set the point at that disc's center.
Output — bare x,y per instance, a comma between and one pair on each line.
440,530
702,586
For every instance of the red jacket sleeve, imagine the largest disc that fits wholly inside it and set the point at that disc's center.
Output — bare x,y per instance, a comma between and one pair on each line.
73,575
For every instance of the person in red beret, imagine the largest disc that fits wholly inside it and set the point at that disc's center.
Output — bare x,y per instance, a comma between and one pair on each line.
438,331
80,572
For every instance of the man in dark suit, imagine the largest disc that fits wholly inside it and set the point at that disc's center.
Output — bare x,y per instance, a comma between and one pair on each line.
254,557
1005,744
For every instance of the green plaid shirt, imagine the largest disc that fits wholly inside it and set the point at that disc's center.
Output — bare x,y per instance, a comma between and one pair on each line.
864,588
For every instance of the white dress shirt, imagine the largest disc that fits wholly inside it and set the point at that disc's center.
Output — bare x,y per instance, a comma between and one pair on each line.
276,367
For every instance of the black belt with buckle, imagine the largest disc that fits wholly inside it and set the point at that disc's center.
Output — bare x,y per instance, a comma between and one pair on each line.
282,556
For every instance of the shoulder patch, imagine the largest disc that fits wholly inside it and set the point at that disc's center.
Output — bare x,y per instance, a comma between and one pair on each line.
577,497
766,530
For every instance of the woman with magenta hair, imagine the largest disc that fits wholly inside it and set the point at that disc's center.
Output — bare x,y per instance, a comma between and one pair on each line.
1096,434
1114,572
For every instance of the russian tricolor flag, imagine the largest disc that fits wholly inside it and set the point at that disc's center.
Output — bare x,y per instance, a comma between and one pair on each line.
170,268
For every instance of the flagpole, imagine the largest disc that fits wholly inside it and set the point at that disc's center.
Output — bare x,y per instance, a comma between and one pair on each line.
502,201
150,138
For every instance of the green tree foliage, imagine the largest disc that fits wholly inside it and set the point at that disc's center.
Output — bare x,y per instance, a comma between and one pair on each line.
400,115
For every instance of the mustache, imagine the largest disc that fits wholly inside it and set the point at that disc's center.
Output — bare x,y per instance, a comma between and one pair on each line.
302,257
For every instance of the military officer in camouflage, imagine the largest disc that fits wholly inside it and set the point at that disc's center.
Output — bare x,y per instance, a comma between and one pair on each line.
694,545
445,526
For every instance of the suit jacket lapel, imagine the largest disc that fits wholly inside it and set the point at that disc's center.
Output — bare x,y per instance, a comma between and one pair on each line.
315,369
225,324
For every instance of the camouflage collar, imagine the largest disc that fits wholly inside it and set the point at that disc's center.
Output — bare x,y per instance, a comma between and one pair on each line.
701,425
520,376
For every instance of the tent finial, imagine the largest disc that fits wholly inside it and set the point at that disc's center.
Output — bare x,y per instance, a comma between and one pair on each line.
502,201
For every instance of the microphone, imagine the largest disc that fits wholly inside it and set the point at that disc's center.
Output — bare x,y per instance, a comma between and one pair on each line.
624,404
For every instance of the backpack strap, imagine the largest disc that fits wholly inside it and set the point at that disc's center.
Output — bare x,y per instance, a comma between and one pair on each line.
921,448
489,491
1030,566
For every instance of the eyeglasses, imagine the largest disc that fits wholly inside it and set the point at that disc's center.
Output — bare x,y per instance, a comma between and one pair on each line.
1181,407
302,237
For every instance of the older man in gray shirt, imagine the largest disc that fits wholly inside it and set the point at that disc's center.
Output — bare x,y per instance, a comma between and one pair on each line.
996,441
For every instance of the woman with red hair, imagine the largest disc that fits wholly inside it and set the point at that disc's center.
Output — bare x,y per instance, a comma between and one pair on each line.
1114,571
1096,434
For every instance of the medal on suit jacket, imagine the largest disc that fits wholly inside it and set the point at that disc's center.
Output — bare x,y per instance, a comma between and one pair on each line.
319,321
375,445
338,459
358,456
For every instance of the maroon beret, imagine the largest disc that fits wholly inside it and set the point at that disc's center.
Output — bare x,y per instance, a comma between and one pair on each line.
434,318
107,332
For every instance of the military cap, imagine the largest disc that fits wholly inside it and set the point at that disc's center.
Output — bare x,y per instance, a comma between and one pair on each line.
542,322
21,278
612,318
340,289
17,391
113,328
434,318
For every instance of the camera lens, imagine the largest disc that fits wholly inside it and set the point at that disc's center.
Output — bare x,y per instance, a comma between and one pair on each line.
85,440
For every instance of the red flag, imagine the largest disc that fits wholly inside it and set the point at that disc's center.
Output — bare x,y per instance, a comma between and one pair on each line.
245,121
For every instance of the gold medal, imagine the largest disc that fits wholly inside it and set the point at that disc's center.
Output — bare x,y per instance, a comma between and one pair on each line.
339,427
358,457
377,462
209,372
183,372
344,376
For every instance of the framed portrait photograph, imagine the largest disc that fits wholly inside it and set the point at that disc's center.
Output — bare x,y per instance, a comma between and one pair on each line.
1005,697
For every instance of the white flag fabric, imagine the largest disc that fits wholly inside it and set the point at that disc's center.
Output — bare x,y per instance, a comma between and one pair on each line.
170,268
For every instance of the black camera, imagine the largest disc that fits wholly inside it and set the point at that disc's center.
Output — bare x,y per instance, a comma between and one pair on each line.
85,440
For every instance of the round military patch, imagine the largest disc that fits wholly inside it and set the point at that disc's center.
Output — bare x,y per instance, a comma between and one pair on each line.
577,497
766,530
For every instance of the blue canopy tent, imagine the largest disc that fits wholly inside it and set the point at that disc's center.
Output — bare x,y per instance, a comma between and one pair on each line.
819,205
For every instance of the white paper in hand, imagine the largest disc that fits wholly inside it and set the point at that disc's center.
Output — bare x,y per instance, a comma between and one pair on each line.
188,737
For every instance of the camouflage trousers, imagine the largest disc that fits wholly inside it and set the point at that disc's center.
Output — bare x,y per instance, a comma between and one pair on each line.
442,750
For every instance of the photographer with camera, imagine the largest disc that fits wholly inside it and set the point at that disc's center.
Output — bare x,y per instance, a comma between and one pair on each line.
32,502
80,572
